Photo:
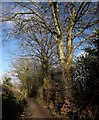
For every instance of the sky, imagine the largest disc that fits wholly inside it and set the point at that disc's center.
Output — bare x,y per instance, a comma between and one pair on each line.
6,49
9,48
6,55
5,58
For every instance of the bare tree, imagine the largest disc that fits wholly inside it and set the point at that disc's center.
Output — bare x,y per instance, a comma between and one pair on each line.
70,24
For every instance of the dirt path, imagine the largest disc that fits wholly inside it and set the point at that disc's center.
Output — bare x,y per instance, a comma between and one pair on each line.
35,110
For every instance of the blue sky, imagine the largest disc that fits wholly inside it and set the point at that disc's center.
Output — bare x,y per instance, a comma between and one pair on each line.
6,55
7,47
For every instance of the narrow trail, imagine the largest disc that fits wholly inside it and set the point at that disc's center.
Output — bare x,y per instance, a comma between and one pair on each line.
34,110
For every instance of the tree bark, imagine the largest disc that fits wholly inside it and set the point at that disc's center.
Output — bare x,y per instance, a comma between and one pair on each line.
66,67
65,58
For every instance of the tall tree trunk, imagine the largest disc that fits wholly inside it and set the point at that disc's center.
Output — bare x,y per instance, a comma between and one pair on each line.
65,58
66,67
67,76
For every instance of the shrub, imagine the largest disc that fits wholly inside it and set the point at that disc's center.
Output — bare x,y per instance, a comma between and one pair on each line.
11,107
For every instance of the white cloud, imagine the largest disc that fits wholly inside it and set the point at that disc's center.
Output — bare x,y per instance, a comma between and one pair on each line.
13,76
81,53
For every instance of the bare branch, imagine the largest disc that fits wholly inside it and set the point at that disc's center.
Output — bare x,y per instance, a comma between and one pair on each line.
57,23
82,41
84,28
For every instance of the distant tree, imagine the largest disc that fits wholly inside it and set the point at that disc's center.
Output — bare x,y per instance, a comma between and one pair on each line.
30,74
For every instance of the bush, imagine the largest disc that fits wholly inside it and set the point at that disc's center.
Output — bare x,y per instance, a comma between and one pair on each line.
11,107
